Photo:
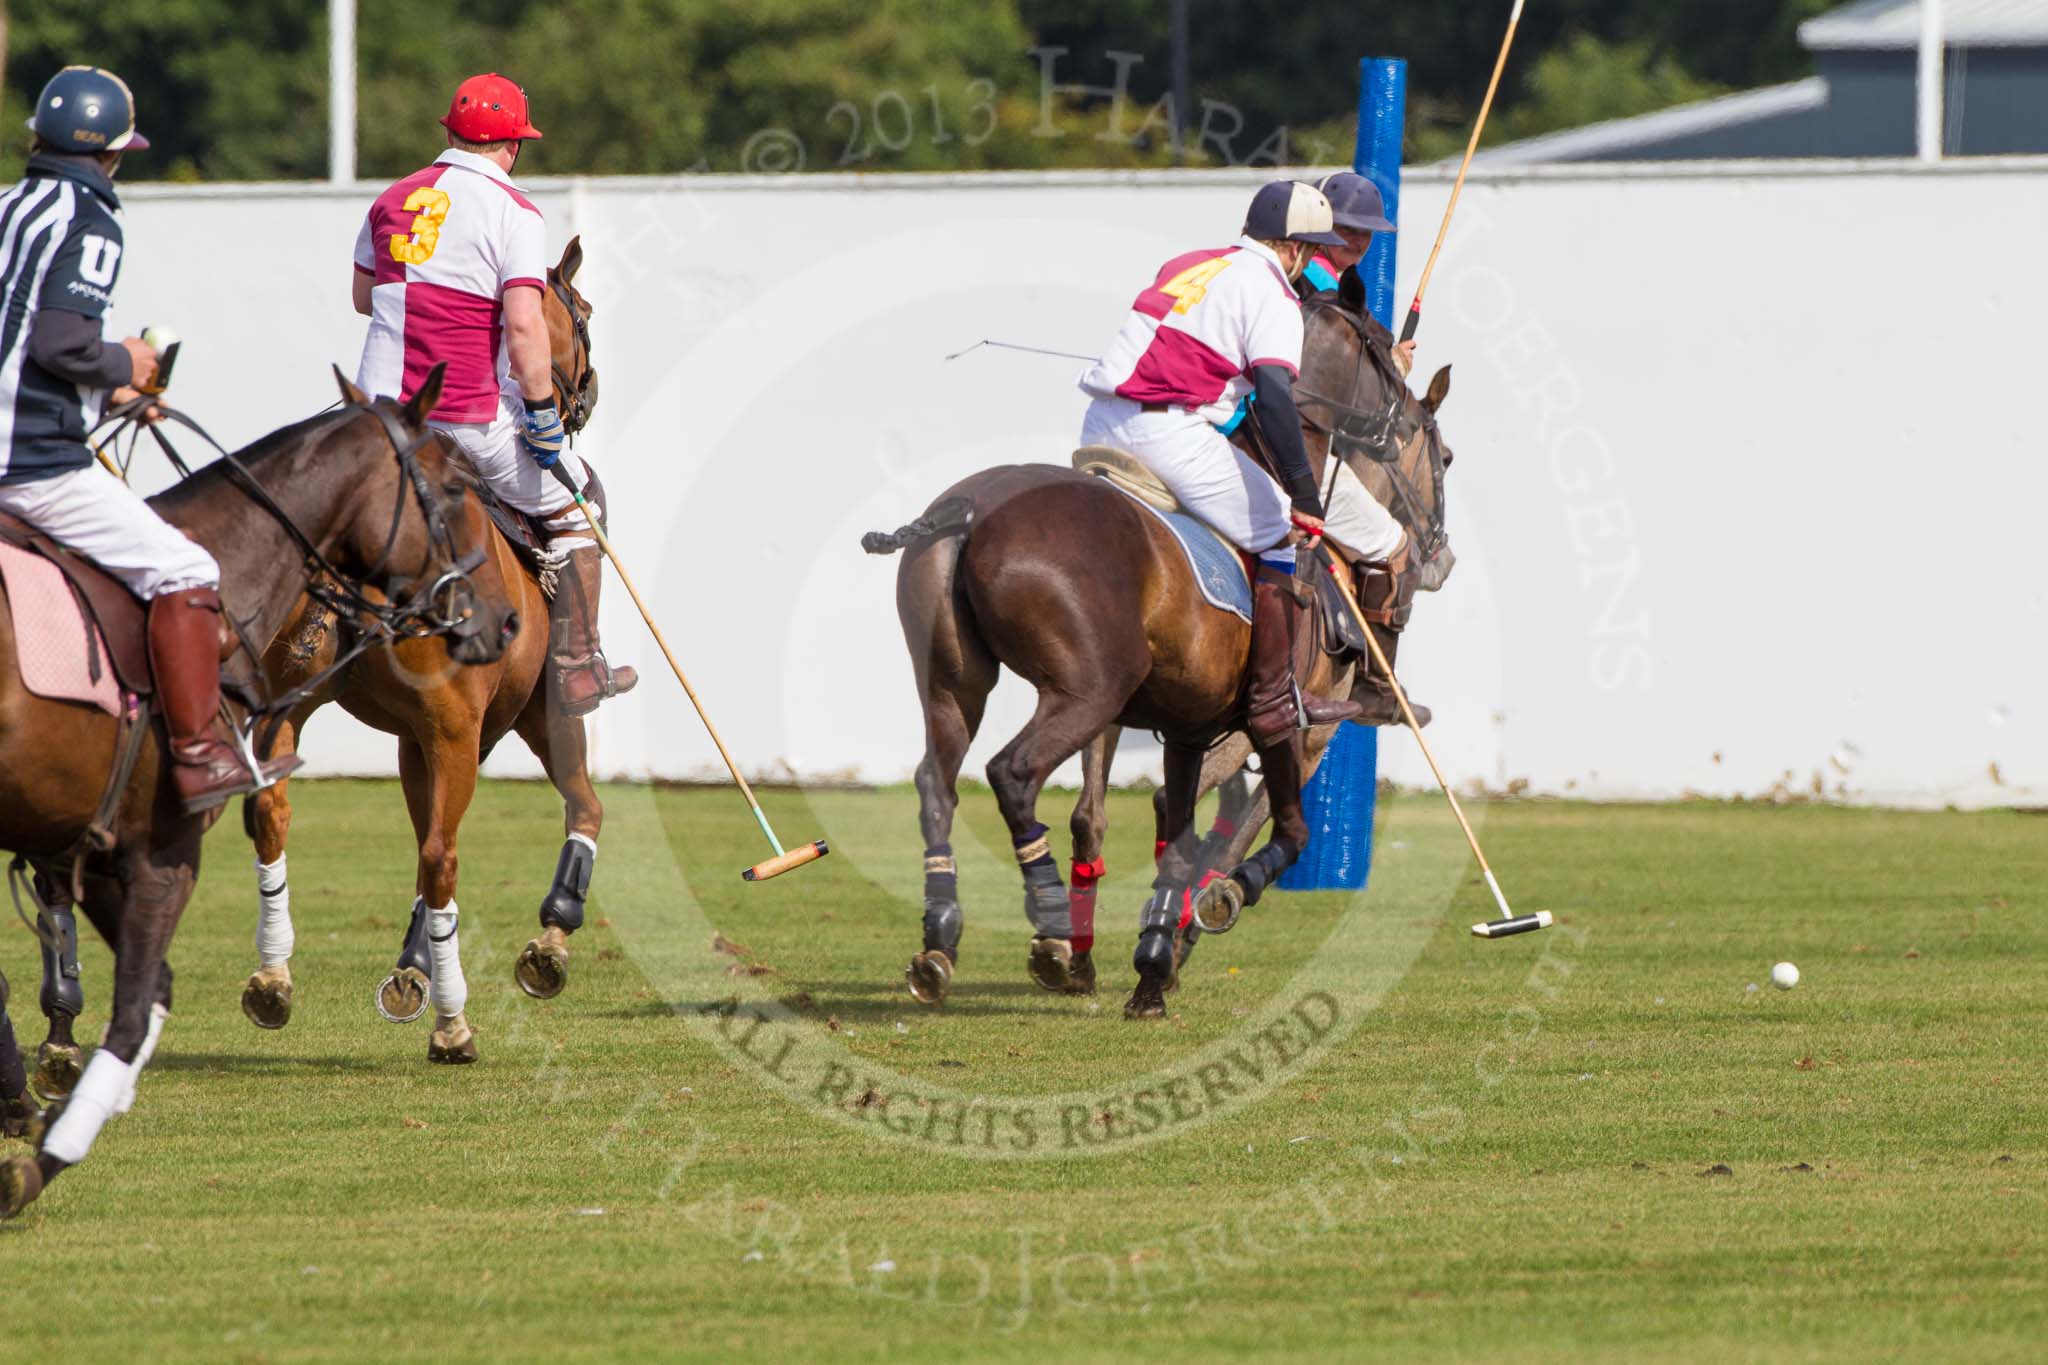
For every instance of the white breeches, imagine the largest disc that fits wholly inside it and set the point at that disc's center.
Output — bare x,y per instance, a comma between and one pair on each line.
495,451
1212,478
1356,520
94,513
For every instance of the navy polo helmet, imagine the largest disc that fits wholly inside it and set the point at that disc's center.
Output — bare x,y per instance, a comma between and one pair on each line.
85,109
1355,202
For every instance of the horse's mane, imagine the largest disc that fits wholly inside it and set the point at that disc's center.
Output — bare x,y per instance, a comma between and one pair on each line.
205,480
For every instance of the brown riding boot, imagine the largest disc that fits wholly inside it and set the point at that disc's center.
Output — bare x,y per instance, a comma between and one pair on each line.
184,653
582,677
1271,709
1386,597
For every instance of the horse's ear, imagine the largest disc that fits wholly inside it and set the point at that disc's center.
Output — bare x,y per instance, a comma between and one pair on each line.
427,396
1439,389
572,260
350,394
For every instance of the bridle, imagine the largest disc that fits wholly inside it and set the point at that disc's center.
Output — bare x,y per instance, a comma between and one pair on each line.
436,608
574,384
1381,436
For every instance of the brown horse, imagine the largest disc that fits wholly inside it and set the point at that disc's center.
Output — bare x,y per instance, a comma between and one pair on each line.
391,537
1389,438
447,719
1069,584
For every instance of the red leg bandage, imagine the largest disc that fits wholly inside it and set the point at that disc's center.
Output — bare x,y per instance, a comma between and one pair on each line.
1081,902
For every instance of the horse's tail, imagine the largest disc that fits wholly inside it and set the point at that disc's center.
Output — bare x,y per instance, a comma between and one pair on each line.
947,517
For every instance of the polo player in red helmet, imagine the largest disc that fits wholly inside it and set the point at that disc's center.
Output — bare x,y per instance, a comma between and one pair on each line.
451,266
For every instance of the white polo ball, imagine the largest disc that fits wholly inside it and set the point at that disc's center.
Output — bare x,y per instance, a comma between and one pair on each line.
159,339
1784,976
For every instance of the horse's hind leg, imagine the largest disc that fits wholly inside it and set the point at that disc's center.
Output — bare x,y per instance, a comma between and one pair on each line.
1088,825
1159,923
559,743
955,674
59,1061
1062,724
267,995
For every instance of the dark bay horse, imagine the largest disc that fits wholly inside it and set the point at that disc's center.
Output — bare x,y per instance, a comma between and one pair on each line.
1388,437
386,524
446,720
1069,584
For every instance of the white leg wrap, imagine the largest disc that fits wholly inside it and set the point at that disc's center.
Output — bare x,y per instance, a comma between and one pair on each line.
158,1016
99,1093
450,992
274,914
587,842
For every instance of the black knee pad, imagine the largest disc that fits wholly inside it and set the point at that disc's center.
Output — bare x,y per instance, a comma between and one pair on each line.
943,922
415,952
1153,956
562,908
58,941
1263,868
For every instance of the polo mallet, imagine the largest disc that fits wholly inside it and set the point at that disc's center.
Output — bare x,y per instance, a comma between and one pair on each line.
782,861
1471,149
1509,922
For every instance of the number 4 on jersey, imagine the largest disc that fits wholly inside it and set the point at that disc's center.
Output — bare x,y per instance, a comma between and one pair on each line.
1190,286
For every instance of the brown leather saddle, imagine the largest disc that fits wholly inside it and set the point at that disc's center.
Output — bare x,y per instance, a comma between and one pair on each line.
103,600
526,533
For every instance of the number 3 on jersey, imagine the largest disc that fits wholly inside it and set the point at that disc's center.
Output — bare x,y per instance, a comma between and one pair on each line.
429,208
1190,286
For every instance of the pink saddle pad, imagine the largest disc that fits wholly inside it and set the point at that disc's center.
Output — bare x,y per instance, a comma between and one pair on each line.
50,634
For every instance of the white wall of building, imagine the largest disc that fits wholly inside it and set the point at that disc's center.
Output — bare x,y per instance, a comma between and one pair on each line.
1747,494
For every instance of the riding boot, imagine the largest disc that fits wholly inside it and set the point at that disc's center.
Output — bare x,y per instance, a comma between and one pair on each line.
184,653
1271,700
1386,597
582,677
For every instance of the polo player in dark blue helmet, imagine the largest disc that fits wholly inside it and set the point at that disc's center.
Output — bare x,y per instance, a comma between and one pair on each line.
60,253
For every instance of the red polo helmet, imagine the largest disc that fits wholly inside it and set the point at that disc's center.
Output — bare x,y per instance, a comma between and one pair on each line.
489,108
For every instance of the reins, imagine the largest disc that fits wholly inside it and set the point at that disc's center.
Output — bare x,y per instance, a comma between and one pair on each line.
575,389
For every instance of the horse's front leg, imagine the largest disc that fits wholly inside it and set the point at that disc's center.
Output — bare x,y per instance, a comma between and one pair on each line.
1159,923
59,1061
136,913
267,995
559,742
1219,903
439,775
1089,825
17,1110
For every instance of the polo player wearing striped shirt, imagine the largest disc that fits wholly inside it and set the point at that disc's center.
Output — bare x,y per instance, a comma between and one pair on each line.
451,267
61,246
1213,328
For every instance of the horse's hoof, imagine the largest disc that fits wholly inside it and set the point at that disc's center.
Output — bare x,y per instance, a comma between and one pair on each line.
1050,964
543,968
58,1067
452,1043
1081,974
16,1115
21,1180
403,996
928,975
1218,905
1148,1001
267,998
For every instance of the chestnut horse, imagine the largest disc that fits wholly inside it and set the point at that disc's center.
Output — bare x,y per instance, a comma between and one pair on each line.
323,501
447,719
1071,585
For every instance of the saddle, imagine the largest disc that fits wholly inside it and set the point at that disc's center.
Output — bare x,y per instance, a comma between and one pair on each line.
526,533
111,630
1341,632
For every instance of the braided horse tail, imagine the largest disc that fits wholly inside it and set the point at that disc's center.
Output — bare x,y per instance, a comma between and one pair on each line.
947,517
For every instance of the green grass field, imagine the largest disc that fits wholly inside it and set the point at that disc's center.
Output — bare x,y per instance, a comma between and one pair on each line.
1362,1132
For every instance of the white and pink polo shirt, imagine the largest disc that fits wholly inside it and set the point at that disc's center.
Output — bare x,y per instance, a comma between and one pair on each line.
443,245
1192,339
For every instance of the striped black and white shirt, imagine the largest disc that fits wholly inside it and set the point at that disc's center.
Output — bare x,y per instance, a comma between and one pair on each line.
60,249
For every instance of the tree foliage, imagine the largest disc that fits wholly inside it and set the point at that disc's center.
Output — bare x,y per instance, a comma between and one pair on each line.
236,89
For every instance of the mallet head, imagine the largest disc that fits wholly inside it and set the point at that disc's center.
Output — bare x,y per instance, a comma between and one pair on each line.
795,858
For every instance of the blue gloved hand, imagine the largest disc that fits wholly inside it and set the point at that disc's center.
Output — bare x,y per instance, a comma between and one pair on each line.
542,434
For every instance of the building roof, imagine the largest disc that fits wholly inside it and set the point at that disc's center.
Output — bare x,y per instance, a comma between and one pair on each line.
1616,138
1884,24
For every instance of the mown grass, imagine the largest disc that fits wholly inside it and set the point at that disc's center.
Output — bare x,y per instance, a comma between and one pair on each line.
1504,1155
